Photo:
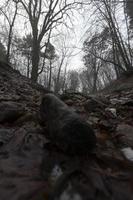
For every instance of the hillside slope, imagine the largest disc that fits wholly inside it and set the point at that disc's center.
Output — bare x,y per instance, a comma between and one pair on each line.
125,82
32,168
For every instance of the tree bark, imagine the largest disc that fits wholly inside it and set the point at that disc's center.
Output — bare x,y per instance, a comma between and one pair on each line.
50,75
35,60
28,66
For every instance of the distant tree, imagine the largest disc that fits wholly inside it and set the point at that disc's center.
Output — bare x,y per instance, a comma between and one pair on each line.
96,53
61,85
64,53
2,52
129,8
9,11
73,81
86,85
25,46
51,57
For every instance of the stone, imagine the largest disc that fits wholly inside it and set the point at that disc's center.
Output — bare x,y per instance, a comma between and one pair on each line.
10,111
126,133
66,128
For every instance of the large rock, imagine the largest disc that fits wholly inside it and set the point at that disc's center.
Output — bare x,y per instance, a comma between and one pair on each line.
10,111
126,134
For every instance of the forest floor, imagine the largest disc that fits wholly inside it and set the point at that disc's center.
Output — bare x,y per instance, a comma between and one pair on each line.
31,171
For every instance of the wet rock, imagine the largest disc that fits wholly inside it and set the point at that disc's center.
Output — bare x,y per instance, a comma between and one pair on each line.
5,136
93,104
9,97
105,125
69,102
55,173
10,111
128,153
66,129
93,120
129,103
112,111
126,135
115,101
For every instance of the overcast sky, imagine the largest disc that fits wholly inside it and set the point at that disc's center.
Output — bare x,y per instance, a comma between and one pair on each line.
76,37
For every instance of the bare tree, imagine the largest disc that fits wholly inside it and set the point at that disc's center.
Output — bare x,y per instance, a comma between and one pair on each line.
64,53
95,50
10,17
107,11
24,46
49,58
129,9
73,81
44,15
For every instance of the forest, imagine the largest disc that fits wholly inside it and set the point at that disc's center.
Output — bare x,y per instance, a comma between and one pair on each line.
38,39
66,99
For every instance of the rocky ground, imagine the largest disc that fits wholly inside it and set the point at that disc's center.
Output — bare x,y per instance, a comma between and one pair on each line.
30,169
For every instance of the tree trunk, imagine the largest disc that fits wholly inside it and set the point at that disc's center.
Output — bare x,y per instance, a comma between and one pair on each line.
28,66
50,76
9,45
35,60
94,89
